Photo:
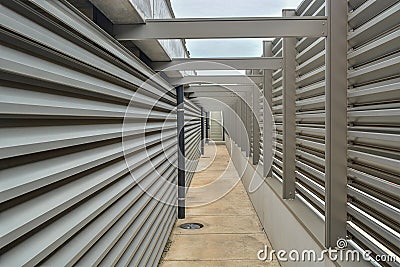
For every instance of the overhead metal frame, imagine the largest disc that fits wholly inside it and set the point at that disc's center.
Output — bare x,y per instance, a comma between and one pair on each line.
218,88
184,64
207,28
217,79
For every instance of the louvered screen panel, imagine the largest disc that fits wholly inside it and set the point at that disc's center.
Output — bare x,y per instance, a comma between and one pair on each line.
374,126
261,124
192,139
277,111
73,191
373,119
256,112
310,112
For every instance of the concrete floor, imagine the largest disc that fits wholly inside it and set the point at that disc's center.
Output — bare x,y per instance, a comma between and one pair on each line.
232,234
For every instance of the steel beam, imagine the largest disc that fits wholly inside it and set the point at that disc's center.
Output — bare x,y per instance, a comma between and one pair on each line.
217,88
289,113
213,95
267,120
181,151
217,79
217,28
207,104
184,64
336,123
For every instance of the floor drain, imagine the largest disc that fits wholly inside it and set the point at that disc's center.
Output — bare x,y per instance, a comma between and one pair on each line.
191,226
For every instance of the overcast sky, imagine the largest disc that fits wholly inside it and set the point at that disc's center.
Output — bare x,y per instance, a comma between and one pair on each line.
229,8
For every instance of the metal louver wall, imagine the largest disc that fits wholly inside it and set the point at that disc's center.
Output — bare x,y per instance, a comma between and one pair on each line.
192,139
261,124
374,126
72,191
277,112
373,122
310,113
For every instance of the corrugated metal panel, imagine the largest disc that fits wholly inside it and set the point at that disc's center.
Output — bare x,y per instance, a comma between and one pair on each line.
79,184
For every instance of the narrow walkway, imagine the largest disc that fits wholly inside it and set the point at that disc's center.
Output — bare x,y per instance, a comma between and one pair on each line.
232,234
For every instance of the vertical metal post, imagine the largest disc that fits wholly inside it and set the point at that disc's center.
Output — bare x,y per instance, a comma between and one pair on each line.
228,122
181,151
336,123
267,120
248,121
240,130
202,130
244,138
235,115
207,126
232,133
223,114
256,127
289,112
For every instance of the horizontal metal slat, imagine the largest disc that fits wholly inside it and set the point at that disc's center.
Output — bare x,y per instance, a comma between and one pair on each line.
311,196
384,45
310,51
376,71
370,157
375,27
375,117
379,206
361,236
311,77
386,91
124,208
381,140
381,185
367,11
